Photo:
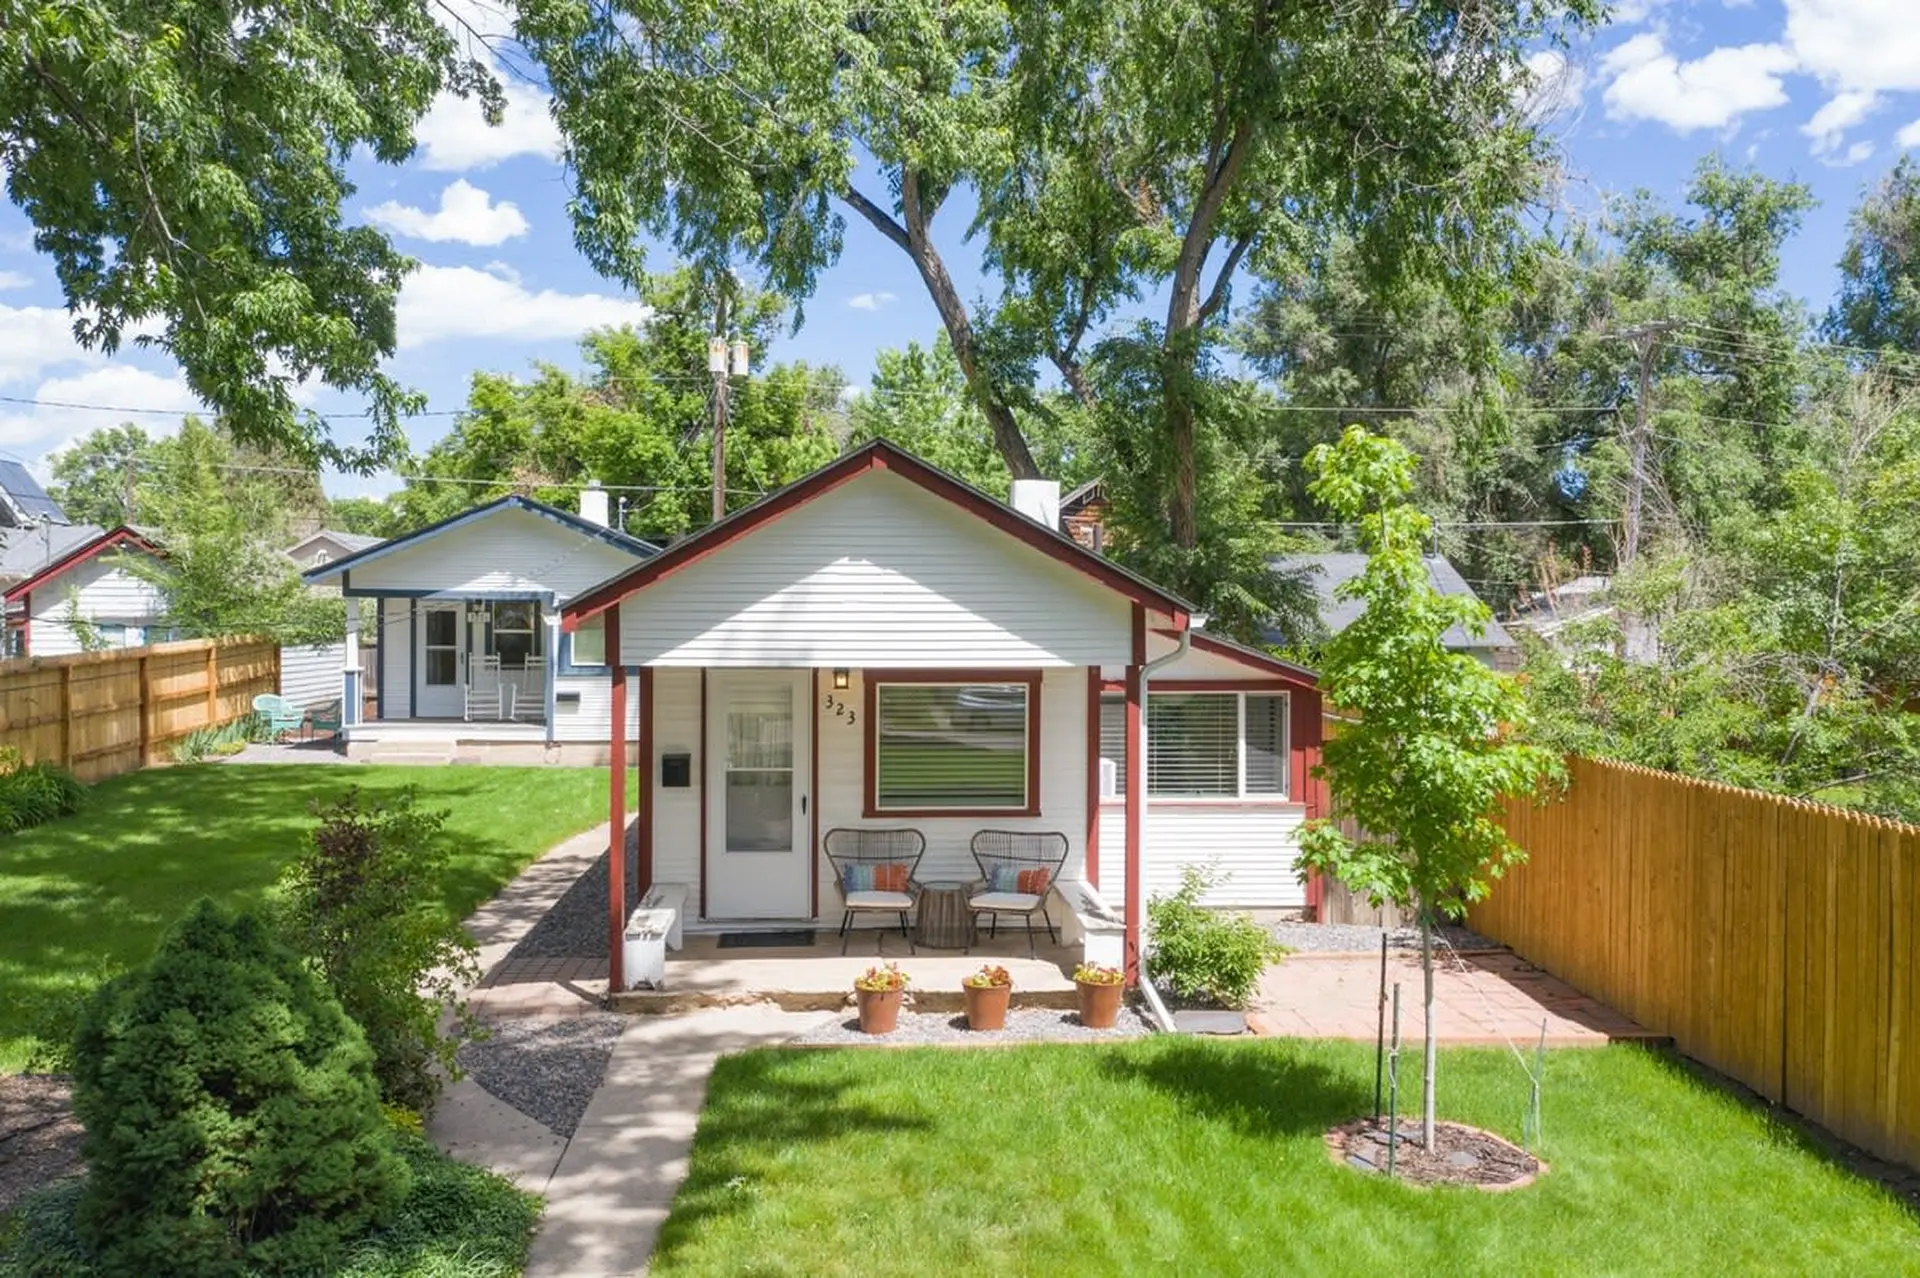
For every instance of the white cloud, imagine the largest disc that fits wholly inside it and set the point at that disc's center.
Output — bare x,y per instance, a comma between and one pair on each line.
502,269
869,301
459,301
1631,12
35,340
45,428
455,135
1843,111
1557,84
1710,92
13,279
1908,136
1859,152
467,215
1863,45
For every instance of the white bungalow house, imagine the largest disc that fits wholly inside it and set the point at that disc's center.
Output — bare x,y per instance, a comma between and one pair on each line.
792,664
463,619
88,596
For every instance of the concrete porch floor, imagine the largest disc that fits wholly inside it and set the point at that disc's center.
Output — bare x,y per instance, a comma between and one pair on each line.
796,978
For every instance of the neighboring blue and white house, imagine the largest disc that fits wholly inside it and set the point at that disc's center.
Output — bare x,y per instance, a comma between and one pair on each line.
88,595
463,620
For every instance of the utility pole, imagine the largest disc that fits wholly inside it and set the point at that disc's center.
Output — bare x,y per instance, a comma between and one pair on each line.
1646,344
725,359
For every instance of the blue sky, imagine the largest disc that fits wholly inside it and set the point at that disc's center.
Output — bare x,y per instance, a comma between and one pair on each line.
1824,91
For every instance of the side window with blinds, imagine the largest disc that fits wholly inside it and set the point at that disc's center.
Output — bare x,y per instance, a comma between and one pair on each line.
1267,770
1204,744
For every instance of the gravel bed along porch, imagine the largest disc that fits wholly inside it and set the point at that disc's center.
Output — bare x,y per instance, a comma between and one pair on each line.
547,1067
1364,938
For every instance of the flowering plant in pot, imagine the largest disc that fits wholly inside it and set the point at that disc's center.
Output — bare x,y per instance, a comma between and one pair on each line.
880,991
1100,989
988,991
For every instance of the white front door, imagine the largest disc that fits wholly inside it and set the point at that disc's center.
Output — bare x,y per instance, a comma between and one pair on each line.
441,652
759,848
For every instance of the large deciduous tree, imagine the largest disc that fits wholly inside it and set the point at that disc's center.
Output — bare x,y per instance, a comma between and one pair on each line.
1879,302
1110,149
184,165
1429,755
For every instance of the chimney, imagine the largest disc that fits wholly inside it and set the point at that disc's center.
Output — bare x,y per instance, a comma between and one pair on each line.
593,503
1038,500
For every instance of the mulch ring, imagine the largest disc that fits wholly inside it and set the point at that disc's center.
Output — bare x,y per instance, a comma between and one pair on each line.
39,1136
1461,1155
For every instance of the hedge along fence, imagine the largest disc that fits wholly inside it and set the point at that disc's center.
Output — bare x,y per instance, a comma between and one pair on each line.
1775,940
104,713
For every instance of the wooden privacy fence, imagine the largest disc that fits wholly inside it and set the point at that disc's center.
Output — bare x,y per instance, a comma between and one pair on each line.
104,713
1774,940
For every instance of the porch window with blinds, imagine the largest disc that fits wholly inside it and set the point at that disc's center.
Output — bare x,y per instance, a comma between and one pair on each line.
940,747
1204,745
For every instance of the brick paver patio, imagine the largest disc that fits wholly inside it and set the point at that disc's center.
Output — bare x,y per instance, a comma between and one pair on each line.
1480,999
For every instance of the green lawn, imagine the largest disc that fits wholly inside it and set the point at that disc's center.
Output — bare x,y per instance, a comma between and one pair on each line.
87,896
1193,1157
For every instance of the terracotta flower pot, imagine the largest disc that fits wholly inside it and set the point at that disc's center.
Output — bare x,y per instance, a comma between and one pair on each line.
879,1010
987,1006
1099,1004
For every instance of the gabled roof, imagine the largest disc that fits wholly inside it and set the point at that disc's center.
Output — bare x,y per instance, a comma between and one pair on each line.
131,538
24,551
879,454
23,501
1248,655
1094,490
1327,572
347,541
513,501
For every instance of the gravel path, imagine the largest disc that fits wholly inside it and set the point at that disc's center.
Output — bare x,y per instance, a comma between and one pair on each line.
39,1136
546,1067
1024,1025
576,926
1359,938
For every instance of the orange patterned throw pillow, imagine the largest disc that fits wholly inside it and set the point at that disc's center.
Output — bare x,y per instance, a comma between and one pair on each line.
891,877
1034,882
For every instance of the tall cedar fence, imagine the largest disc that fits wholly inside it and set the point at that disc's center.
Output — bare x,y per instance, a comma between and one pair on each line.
104,713
1774,940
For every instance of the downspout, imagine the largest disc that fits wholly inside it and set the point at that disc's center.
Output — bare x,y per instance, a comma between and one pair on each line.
1161,1015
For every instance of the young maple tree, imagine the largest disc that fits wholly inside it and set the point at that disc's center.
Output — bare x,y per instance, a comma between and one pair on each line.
1429,752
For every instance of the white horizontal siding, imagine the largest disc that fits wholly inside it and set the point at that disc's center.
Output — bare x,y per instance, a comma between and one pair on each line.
1063,787
1253,849
310,674
396,655
1195,664
590,719
676,812
101,591
877,573
507,550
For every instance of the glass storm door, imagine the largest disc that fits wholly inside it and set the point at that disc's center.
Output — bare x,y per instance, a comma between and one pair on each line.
759,839
439,692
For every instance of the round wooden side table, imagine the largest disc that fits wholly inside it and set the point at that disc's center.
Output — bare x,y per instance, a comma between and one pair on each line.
945,923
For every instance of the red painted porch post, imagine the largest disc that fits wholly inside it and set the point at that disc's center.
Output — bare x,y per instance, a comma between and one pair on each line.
616,810
1136,820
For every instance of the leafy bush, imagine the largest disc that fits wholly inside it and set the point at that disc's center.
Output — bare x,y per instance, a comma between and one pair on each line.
220,739
34,793
232,1120
457,1222
1206,954
363,903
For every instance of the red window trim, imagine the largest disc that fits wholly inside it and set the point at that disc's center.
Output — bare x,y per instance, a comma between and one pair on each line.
870,698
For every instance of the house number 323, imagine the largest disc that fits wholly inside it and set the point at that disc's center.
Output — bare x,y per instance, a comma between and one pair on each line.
841,710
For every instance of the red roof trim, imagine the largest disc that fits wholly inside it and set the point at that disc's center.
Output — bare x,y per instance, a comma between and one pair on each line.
1298,675
106,541
878,455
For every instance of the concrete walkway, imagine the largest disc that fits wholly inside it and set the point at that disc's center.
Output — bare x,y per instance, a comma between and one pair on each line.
609,1188
1481,999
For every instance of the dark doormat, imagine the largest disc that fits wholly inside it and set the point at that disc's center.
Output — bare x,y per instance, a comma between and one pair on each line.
765,940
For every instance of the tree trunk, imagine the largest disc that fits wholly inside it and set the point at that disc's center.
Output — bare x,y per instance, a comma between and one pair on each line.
1183,501
1426,972
913,239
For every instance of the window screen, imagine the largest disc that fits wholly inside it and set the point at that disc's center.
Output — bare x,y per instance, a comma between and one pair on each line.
953,747
1266,745
1193,742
